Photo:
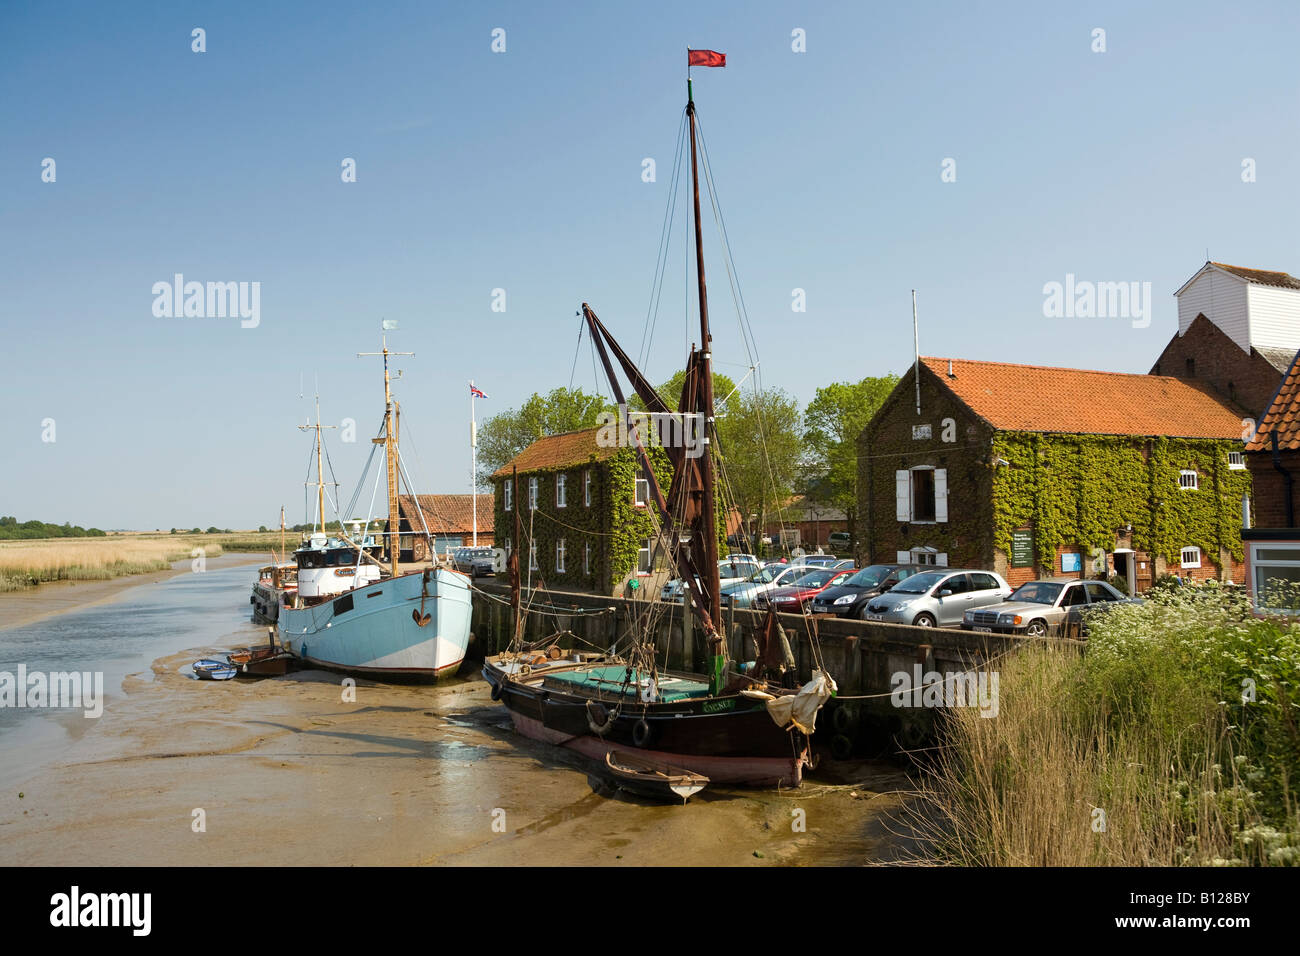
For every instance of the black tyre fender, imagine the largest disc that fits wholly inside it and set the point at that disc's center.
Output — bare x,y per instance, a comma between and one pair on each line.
599,718
844,718
642,733
841,747
498,689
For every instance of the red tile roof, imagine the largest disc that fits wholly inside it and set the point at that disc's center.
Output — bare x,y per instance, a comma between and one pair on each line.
1283,416
1261,276
558,451
448,514
1073,401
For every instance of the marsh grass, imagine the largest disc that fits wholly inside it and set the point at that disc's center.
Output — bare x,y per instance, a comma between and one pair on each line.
27,563
1141,750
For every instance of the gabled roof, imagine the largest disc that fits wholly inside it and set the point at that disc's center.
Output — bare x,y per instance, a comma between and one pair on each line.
1036,398
1261,276
1283,416
559,451
1281,280
448,514
1280,359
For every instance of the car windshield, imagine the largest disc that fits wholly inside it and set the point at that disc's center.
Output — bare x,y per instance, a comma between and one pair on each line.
1036,592
868,577
919,583
766,575
814,579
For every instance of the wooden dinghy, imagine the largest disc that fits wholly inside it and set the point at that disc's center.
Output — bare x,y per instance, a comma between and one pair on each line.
653,778
267,660
213,670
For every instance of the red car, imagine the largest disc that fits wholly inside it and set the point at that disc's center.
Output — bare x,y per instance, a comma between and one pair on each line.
793,597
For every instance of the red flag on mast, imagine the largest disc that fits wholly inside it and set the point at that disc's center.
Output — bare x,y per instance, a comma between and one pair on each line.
705,58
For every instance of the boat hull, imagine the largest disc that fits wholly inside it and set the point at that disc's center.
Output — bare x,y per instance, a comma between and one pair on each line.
737,744
373,630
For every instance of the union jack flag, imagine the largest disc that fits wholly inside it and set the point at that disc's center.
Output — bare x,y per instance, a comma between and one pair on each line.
477,392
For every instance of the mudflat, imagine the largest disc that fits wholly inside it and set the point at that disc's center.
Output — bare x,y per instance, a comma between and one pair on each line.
285,770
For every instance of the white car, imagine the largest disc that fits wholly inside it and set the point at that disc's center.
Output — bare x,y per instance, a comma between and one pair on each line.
731,569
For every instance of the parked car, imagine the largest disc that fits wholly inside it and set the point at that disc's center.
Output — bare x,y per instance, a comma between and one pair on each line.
850,596
1049,606
940,597
792,597
474,561
839,542
742,593
731,570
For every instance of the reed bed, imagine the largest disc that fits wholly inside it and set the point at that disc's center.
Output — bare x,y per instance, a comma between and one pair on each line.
1171,740
28,563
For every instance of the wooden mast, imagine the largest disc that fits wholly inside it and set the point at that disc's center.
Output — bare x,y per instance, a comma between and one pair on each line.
389,441
709,524
320,471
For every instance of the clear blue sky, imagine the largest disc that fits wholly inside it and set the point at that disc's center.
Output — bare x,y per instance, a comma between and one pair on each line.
522,171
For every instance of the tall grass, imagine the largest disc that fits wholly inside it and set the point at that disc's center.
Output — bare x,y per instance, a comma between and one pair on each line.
27,563
1171,740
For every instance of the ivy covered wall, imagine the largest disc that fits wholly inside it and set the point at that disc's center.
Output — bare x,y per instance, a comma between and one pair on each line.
614,525
1082,489
1071,490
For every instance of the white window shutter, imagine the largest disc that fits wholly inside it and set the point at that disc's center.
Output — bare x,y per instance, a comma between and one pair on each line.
941,559
941,495
904,557
903,492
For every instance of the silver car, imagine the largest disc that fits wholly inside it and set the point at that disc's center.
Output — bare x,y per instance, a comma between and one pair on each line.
731,570
938,598
1039,608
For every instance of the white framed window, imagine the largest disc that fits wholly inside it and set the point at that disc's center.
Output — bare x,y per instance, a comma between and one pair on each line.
586,558
1188,480
1236,461
532,556
507,493
560,481
641,489
559,556
508,549
922,494
586,488
1275,575
926,555
532,494
1190,558
643,556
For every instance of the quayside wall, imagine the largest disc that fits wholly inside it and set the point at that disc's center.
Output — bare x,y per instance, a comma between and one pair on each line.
862,656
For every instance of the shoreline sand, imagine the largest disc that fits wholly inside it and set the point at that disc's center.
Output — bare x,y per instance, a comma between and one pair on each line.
285,772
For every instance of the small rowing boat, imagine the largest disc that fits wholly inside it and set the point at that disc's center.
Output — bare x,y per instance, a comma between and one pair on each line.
652,778
213,670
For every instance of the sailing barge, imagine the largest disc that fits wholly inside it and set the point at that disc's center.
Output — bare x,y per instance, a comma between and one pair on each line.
733,728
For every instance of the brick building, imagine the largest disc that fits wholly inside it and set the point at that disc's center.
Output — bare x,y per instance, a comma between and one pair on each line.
585,508
449,519
1273,457
1033,472
1238,330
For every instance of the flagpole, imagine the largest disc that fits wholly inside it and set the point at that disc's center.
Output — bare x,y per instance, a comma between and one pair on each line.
473,461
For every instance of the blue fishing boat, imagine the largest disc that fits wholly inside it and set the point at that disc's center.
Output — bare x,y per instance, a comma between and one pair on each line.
355,610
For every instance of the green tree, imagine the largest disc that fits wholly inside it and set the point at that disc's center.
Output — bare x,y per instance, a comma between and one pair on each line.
671,390
760,448
561,410
832,423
